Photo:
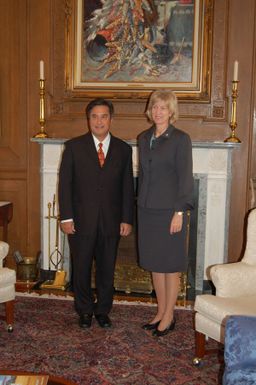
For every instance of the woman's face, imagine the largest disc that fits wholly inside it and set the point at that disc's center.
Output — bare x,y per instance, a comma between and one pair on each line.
161,113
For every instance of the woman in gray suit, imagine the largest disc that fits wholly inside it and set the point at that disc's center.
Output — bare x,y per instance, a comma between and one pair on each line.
165,193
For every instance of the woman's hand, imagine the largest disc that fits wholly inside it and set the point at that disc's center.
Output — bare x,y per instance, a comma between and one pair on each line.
176,223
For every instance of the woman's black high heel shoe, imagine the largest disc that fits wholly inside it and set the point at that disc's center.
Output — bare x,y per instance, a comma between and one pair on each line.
151,326
160,333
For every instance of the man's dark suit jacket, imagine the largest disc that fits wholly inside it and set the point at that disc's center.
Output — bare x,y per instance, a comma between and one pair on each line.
85,189
165,173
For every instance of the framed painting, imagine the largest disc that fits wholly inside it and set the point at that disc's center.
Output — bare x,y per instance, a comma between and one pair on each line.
126,49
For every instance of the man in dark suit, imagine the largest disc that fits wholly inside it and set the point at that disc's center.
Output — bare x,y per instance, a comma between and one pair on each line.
96,199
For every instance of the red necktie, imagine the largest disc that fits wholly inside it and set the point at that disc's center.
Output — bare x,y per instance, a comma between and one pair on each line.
101,155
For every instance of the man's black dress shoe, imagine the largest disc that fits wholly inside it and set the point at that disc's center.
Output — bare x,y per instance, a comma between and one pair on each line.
103,320
151,326
160,333
85,321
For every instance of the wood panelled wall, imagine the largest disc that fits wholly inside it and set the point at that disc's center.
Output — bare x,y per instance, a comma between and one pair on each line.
31,30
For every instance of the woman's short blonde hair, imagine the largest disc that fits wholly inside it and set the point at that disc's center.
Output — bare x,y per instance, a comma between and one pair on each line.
171,101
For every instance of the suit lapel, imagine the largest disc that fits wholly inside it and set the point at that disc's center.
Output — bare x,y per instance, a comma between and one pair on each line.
111,152
166,136
91,149
146,142
168,133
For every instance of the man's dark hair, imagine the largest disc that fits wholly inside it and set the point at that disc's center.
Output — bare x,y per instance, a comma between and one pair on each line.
99,102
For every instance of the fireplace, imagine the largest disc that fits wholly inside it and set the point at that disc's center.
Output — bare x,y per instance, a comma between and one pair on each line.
209,222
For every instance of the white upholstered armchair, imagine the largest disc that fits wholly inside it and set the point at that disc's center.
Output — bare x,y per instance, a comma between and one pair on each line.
235,285
7,286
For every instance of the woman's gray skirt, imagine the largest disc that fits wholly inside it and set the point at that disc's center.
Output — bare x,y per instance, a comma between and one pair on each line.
160,251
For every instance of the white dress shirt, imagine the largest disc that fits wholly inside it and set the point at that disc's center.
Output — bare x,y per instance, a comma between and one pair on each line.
105,144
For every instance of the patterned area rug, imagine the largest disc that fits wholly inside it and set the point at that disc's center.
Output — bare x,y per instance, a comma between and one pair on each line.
47,338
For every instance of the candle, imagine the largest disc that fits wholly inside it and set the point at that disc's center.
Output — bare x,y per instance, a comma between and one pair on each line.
41,69
235,76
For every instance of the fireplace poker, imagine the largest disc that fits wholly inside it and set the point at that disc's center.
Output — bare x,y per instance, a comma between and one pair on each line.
63,250
53,206
56,250
49,234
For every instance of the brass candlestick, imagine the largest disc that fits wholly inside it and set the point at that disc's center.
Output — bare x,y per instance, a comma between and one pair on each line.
42,133
233,123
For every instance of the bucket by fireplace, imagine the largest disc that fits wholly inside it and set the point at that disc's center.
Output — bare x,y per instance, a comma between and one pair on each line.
27,270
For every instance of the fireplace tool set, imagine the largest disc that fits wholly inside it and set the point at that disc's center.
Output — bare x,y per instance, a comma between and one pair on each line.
57,277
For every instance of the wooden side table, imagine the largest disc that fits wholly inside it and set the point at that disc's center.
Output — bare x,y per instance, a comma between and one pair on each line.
53,380
6,212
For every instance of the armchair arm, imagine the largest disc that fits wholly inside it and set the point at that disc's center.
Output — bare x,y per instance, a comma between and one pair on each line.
234,279
4,248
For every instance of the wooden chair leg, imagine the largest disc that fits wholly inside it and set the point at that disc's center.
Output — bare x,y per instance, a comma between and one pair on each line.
200,344
200,348
9,311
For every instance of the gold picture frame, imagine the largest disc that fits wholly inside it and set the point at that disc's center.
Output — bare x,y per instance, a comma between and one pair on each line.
126,52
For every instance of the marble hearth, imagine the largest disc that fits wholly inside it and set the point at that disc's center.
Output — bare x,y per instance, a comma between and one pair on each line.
212,169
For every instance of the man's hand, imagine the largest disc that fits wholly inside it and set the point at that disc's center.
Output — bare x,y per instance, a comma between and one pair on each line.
176,223
68,227
125,229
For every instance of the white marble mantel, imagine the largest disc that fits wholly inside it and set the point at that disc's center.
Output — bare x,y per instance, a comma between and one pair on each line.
212,165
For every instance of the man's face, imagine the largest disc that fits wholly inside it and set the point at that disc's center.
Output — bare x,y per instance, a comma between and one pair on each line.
100,121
